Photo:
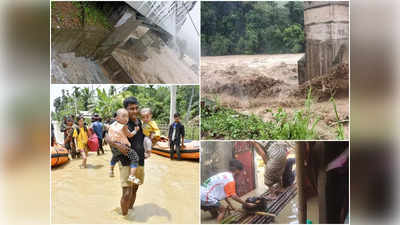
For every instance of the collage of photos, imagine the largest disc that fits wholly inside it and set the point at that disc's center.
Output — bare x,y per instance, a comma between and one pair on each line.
199,112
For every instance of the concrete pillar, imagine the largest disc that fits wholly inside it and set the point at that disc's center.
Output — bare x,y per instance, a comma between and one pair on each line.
326,29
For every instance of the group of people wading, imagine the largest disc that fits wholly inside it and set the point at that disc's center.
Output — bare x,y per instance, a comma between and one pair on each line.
130,134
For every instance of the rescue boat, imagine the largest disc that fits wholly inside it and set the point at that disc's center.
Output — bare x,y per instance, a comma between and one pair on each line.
190,151
59,155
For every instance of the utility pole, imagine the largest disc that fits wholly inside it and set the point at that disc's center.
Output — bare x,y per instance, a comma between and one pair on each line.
172,108
189,106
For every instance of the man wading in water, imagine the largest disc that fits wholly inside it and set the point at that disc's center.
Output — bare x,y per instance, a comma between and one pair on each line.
128,189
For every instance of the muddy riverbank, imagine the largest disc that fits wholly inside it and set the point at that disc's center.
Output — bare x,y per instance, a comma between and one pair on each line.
255,84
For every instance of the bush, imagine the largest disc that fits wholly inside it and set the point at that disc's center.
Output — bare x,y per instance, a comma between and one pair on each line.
220,122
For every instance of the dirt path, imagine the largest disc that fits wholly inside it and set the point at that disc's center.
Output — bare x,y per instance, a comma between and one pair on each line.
90,196
251,84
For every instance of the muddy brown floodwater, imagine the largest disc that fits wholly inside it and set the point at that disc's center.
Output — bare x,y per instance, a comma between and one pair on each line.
170,193
251,84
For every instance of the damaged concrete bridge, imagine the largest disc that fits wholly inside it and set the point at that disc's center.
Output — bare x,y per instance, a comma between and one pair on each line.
141,47
326,28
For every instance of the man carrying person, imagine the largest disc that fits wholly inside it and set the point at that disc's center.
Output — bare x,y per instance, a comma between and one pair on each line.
176,134
129,189
220,187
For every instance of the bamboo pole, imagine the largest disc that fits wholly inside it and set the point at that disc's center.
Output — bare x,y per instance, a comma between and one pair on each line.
300,157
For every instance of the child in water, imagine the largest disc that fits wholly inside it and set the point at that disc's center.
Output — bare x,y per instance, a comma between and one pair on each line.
150,130
119,133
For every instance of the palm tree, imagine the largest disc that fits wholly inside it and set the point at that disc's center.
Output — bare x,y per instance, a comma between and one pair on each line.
85,97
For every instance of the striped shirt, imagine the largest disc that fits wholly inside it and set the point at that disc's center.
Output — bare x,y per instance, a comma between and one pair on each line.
276,150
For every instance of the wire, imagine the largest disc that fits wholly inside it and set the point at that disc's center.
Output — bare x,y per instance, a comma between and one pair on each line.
198,34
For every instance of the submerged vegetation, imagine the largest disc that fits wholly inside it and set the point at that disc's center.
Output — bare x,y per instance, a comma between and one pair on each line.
220,122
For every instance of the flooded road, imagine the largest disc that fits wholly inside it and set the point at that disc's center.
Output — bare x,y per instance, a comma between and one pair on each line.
169,193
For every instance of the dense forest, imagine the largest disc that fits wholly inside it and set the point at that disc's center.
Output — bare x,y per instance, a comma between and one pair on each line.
229,28
106,102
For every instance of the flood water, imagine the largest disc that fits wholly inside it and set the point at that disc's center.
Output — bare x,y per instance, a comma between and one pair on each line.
170,193
288,215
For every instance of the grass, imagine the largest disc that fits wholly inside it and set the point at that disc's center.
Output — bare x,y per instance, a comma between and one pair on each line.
220,122
91,14
339,128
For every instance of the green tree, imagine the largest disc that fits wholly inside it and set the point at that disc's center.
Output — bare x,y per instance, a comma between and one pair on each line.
293,37
251,27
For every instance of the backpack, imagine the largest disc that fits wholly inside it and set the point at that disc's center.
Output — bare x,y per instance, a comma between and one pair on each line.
93,142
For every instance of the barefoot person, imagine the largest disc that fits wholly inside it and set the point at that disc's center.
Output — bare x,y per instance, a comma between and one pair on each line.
119,133
220,187
129,189
274,157
81,140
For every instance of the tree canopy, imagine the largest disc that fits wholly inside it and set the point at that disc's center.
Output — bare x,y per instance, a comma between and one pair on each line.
229,28
106,102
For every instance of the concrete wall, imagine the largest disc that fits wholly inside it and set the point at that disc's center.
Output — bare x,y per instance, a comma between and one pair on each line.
326,28
215,157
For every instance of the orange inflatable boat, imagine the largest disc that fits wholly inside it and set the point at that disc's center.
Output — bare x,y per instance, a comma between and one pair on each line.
59,155
191,150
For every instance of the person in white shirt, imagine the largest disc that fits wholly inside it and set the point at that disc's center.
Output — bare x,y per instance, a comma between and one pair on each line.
222,186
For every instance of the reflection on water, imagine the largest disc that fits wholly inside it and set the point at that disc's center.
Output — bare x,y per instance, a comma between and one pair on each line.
169,193
288,215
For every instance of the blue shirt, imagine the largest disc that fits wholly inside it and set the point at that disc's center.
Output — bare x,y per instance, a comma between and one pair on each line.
98,129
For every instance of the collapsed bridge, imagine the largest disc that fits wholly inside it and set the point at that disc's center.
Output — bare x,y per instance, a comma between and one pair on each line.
326,28
149,42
